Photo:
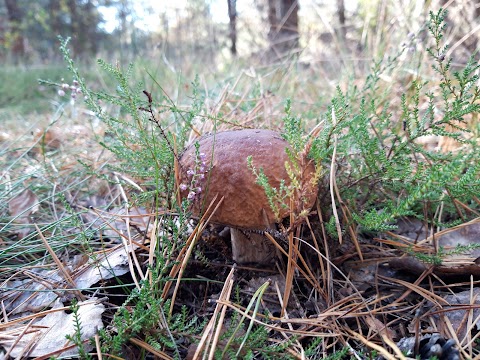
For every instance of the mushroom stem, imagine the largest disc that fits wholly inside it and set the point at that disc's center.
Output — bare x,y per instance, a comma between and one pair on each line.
251,247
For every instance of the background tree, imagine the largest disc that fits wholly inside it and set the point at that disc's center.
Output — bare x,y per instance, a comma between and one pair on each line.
33,27
15,18
232,14
341,18
283,34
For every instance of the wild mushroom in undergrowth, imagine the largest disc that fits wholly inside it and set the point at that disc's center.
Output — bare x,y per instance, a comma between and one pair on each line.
227,164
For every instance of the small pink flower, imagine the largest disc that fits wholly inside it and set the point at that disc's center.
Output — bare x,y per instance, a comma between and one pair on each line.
199,190
65,86
191,195
183,187
190,172
60,92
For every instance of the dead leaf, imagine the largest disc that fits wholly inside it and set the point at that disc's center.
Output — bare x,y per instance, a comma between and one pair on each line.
53,137
32,295
458,317
465,235
379,327
49,139
49,332
453,263
24,204
21,207
113,264
113,222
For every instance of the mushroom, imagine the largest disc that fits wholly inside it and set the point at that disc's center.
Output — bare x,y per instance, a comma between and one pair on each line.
217,165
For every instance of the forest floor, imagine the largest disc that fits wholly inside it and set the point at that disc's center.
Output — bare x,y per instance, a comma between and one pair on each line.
391,302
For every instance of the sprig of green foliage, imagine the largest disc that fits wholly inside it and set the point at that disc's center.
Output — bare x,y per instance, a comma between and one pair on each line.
144,314
138,134
277,198
76,338
441,254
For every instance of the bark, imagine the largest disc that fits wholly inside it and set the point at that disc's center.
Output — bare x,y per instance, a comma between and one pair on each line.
232,14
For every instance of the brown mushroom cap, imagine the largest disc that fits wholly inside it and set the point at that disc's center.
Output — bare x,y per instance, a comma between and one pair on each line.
226,173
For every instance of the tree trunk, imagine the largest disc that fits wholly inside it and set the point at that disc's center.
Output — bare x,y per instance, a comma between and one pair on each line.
15,17
74,28
54,8
283,34
55,27
89,26
341,18
232,14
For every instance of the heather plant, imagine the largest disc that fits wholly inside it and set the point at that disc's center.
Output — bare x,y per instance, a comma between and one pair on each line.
137,136
383,171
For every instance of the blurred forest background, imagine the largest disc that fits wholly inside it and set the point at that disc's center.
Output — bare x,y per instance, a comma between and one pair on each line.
213,31
336,40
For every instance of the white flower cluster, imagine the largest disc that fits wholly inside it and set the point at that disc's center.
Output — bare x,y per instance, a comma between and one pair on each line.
74,88
195,175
